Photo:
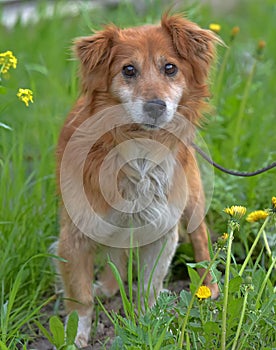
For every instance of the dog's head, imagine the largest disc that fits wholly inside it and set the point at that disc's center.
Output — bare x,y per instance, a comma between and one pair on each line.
152,70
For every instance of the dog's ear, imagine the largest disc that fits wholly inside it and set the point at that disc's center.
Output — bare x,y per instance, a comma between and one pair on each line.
193,44
94,53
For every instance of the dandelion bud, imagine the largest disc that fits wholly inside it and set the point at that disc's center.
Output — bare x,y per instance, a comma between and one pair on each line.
260,47
235,31
222,240
261,44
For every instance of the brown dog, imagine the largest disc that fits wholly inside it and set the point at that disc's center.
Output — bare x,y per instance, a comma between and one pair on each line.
126,169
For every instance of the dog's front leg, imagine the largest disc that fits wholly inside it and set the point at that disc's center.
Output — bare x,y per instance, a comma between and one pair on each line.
77,275
160,253
194,219
200,244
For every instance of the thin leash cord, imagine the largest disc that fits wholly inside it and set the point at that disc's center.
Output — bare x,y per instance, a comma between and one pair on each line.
232,172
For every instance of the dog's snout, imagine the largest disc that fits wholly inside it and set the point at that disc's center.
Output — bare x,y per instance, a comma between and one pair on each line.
154,108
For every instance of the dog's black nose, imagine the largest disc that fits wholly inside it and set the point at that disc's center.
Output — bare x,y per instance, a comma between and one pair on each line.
154,108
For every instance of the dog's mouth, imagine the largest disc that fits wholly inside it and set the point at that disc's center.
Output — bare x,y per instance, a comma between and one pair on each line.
147,126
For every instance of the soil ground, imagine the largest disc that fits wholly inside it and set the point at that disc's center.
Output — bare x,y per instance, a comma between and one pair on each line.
102,332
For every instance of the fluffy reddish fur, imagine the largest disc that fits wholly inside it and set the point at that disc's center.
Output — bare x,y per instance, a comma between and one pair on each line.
102,56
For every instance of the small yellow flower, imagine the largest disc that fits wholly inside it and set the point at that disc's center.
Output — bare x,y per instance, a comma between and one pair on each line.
7,60
25,95
222,240
225,236
273,200
203,292
257,215
235,31
215,27
236,211
261,44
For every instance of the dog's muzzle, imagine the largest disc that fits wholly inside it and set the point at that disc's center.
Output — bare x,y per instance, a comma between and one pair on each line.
154,108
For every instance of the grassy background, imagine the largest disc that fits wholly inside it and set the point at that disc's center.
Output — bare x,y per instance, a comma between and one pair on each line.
28,214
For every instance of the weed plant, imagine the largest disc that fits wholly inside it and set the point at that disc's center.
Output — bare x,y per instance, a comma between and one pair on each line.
239,133
243,317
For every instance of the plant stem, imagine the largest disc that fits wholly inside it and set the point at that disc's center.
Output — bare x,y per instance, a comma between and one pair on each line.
219,80
241,320
266,244
225,291
254,323
265,281
253,246
236,133
184,324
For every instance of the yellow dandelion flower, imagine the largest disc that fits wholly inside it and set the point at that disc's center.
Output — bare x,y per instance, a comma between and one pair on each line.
273,200
25,95
236,211
7,60
203,292
229,211
257,215
215,27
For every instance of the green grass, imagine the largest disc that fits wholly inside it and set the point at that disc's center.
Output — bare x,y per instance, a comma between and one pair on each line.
29,210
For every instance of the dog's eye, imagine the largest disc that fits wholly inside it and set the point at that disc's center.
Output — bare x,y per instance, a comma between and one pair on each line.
129,71
170,69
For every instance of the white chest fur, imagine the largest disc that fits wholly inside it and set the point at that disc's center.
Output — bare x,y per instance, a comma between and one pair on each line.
141,205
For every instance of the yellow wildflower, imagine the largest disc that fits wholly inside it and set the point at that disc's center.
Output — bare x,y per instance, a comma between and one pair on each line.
236,211
215,27
225,236
222,240
25,95
7,60
203,292
235,31
273,200
261,44
257,215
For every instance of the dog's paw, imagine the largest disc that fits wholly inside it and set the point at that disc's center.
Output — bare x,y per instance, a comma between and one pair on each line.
83,333
81,340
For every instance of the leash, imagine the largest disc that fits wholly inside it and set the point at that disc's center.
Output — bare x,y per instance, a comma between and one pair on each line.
232,172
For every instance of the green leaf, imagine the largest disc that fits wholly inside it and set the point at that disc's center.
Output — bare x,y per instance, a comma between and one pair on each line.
44,332
234,284
185,297
37,68
234,311
194,276
211,328
5,126
3,90
199,265
72,328
3,346
158,345
57,329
